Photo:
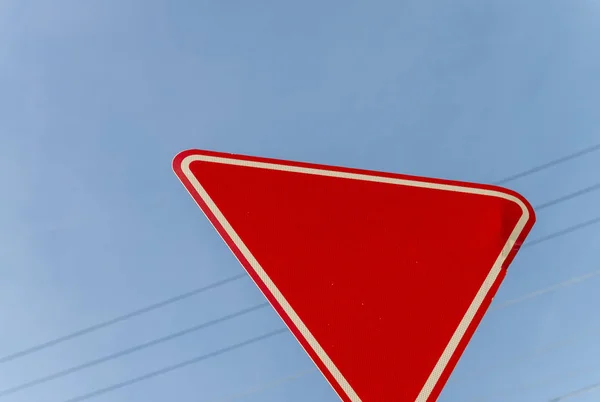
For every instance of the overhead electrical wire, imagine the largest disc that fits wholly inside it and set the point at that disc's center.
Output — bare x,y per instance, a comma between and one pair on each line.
581,391
553,288
136,348
575,194
185,363
513,391
121,318
548,348
562,232
561,160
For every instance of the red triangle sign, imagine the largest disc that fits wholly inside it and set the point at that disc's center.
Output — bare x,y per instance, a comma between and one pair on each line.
382,278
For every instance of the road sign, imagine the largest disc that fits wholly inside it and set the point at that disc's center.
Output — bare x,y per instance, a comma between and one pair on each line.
382,278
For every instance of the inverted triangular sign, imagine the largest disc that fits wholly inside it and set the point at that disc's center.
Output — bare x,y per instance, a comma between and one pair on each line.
382,278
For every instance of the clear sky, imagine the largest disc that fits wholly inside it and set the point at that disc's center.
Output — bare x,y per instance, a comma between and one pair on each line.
96,97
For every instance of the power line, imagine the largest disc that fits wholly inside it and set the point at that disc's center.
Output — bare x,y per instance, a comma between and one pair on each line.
570,196
562,232
131,350
118,319
575,155
557,286
537,384
549,289
165,370
581,391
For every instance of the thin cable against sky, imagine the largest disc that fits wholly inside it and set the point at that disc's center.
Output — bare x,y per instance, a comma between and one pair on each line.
567,197
534,353
575,155
165,370
553,288
581,391
508,393
128,351
562,232
124,317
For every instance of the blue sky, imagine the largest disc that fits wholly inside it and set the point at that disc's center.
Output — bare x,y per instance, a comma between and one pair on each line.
97,97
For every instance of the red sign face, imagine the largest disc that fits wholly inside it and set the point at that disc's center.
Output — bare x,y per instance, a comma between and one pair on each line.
382,278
